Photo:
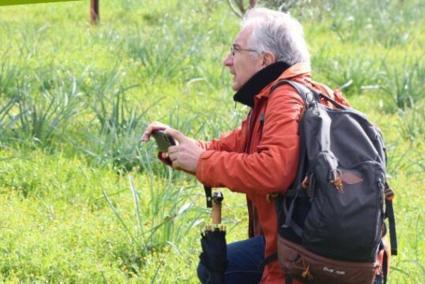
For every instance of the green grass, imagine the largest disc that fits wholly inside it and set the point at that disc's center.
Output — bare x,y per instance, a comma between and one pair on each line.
74,100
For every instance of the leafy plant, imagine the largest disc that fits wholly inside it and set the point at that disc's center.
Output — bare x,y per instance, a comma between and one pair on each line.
404,84
159,221
5,116
413,127
350,74
41,117
9,74
167,60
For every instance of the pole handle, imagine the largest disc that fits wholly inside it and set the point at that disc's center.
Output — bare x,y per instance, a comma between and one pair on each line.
217,198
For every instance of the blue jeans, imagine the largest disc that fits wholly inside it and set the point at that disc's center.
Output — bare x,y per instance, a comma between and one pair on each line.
245,262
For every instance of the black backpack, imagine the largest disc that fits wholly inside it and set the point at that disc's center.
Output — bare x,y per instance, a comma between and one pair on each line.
331,221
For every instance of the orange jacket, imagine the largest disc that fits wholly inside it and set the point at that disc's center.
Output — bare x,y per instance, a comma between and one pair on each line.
261,157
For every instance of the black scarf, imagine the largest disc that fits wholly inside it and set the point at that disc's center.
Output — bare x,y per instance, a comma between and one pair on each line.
258,81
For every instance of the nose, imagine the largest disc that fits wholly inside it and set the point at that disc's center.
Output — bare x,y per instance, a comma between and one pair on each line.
228,61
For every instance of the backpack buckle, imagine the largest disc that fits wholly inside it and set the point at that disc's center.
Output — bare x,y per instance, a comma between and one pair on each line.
305,183
336,180
389,193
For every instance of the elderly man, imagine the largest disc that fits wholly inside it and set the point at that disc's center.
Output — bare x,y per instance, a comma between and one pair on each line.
260,158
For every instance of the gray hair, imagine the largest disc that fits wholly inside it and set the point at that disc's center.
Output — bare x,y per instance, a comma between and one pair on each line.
278,33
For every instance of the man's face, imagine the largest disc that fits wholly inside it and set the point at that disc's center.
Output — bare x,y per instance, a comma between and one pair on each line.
243,62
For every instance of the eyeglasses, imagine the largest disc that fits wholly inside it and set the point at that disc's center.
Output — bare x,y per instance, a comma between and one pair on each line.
236,48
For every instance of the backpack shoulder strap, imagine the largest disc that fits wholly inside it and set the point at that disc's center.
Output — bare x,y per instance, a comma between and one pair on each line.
308,95
305,93
389,195
310,98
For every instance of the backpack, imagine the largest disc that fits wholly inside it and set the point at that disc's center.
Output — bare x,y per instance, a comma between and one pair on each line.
331,220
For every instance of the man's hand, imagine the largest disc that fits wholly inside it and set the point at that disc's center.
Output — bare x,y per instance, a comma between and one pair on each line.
151,128
185,155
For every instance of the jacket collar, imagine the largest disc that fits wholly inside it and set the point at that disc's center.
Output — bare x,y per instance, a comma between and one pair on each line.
267,75
258,81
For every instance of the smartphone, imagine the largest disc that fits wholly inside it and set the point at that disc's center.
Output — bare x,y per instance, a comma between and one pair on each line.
163,141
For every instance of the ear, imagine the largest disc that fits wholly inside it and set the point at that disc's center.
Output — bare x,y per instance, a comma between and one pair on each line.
268,58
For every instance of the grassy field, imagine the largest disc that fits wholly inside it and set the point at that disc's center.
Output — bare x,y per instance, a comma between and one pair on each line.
81,201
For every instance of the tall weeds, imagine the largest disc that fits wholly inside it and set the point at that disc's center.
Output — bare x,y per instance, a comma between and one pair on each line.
404,83
118,124
413,126
160,219
9,75
352,74
41,116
